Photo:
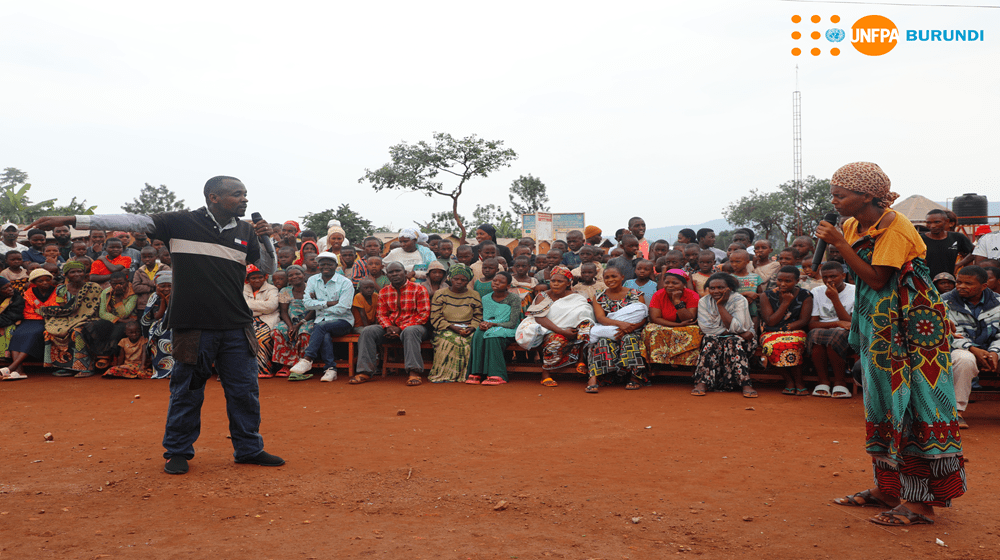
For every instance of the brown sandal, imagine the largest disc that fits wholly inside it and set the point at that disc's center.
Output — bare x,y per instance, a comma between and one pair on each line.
359,379
413,382
861,499
901,515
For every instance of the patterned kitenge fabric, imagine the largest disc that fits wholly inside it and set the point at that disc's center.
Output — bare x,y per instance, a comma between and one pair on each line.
624,356
902,335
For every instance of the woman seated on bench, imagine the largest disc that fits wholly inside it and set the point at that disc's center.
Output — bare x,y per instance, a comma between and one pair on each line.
291,333
729,340
785,313
455,315
555,319
501,314
672,335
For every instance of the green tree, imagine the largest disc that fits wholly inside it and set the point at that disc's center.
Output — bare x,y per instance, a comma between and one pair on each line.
15,206
784,213
441,222
153,200
528,195
356,228
73,208
415,167
507,224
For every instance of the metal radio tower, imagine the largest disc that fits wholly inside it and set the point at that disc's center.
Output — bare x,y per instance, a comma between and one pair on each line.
797,149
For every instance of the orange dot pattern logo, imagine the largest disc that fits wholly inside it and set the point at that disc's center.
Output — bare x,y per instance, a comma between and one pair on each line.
834,34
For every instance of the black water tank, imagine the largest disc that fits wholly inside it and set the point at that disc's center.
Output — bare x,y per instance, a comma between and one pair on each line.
970,204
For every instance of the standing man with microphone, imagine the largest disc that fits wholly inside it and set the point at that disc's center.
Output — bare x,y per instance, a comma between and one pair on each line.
210,319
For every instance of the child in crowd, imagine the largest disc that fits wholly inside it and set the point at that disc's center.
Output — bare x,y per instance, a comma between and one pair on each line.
33,256
614,254
626,262
643,280
590,254
365,303
132,361
14,270
550,259
674,259
286,257
574,243
706,268
522,282
51,252
658,249
112,261
810,278
78,250
435,277
143,281
309,263
524,251
375,272
279,279
944,282
487,250
833,303
444,253
351,267
739,260
786,257
372,247
762,263
588,286
434,244
489,269
164,256
465,255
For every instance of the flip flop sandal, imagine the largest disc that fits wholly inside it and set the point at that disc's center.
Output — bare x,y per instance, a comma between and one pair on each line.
803,392
841,392
473,380
14,376
821,391
64,373
413,382
82,374
265,375
299,376
592,389
698,392
359,379
283,372
900,515
788,391
549,382
751,394
861,499
494,380
633,386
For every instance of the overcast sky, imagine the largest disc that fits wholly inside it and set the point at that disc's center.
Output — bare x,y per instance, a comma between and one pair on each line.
645,108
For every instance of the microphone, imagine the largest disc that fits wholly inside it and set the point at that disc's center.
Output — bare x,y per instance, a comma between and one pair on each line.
256,217
831,219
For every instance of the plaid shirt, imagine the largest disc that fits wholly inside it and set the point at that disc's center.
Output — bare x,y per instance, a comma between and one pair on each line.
410,306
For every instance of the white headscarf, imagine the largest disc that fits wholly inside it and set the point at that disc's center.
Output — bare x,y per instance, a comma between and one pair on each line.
409,233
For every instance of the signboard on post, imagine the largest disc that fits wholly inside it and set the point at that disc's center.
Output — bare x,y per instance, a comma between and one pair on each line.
546,226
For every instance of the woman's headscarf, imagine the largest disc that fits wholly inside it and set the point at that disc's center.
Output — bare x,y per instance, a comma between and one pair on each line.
460,270
490,230
295,224
251,269
72,265
865,177
302,253
563,271
409,233
683,276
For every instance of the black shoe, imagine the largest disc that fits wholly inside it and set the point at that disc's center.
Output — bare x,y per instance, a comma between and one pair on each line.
263,459
176,465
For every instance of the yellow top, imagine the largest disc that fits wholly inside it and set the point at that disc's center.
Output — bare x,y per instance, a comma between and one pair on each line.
895,244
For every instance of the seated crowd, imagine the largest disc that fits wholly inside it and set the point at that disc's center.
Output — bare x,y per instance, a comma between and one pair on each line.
612,312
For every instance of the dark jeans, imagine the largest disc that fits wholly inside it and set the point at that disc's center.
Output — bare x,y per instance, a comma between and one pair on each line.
236,363
320,343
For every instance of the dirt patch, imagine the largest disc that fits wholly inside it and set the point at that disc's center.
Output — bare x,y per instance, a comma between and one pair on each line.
622,474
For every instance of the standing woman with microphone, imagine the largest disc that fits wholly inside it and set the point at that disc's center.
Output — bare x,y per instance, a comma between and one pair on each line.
900,329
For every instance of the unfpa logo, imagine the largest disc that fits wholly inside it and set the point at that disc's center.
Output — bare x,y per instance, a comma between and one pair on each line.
874,35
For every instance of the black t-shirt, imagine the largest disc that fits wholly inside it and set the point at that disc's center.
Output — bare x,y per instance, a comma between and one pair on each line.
942,254
209,269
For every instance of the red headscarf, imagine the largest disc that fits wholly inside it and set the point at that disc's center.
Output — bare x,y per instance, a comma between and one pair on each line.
302,251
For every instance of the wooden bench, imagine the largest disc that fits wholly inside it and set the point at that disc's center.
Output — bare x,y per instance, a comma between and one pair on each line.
352,354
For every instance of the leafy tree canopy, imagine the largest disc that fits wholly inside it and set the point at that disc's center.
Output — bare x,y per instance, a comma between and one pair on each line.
15,206
356,228
415,167
154,200
785,213
528,195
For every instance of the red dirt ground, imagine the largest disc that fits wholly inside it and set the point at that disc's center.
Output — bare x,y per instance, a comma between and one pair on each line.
582,475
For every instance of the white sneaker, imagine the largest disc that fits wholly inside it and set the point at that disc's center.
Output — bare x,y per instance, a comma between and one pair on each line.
302,366
330,375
